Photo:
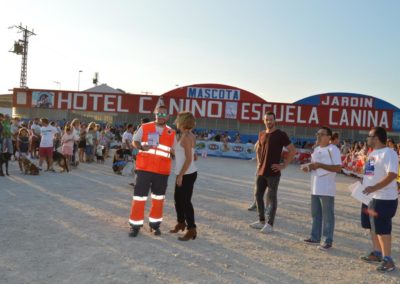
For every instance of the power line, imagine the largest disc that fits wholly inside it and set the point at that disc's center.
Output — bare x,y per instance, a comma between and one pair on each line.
21,48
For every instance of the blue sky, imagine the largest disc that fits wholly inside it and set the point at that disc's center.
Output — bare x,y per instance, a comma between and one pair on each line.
280,50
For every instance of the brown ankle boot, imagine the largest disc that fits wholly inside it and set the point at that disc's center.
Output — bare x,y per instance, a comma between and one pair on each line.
178,227
190,234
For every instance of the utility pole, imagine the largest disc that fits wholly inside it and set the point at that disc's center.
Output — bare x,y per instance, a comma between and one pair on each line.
21,48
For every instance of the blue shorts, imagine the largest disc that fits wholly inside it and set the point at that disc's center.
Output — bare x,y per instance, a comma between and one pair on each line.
378,215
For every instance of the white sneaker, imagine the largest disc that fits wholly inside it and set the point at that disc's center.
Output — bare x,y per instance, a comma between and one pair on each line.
267,229
257,225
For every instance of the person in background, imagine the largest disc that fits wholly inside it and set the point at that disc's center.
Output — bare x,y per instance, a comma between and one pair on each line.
186,175
390,143
15,126
47,132
253,206
90,143
335,139
127,137
76,131
345,149
118,161
67,142
1,132
7,135
22,145
82,145
325,163
35,138
379,180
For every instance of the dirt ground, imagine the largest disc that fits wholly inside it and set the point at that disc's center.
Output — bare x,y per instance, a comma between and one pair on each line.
72,228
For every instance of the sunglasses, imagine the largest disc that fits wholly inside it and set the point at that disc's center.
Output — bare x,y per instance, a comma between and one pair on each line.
160,114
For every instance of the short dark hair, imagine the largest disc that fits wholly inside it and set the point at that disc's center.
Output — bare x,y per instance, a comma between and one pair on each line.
335,135
160,106
145,120
328,130
380,132
270,113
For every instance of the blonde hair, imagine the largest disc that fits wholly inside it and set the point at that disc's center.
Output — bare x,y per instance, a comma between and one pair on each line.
75,121
186,120
23,129
92,125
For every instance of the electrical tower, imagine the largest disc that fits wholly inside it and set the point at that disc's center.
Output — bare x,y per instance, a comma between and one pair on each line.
21,48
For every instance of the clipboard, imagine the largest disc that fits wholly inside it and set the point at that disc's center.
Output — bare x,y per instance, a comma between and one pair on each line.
356,190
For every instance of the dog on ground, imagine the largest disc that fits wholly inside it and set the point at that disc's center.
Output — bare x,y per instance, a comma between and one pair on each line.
28,167
100,151
61,161
4,158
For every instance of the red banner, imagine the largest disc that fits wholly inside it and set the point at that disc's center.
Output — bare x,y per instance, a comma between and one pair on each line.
213,103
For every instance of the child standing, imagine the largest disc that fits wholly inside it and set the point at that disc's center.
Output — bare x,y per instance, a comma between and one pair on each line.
22,146
90,144
82,145
67,142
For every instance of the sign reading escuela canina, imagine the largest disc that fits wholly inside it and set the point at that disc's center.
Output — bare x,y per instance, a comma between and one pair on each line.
215,101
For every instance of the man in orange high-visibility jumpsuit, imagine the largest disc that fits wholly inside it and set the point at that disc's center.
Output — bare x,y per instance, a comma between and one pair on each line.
155,141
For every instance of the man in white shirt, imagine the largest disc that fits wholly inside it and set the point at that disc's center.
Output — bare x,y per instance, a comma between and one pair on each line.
46,144
127,137
325,163
379,179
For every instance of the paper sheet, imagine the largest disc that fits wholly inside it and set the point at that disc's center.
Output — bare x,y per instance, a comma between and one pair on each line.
357,193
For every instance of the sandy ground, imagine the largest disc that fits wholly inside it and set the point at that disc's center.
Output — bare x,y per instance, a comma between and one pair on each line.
72,228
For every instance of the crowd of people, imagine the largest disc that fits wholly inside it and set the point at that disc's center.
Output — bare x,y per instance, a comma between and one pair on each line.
39,138
153,144
354,155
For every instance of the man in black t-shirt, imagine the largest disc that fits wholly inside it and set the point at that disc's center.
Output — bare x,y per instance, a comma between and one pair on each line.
271,143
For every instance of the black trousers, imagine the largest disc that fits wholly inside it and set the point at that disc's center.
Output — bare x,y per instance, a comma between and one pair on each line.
262,184
183,200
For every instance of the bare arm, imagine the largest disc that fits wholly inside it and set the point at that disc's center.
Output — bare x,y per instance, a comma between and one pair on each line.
186,143
329,168
289,158
381,184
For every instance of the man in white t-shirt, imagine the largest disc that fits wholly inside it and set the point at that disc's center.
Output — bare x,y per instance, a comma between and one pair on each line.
127,137
325,163
46,144
379,179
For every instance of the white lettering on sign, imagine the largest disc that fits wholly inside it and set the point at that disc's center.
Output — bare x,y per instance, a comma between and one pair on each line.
210,109
358,118
119,105
83,106
108,103
80,101
141,105
313,116
62,99
211,93
95,100
346,101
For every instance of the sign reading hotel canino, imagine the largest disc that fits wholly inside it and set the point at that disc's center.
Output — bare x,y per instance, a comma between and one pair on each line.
214,101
